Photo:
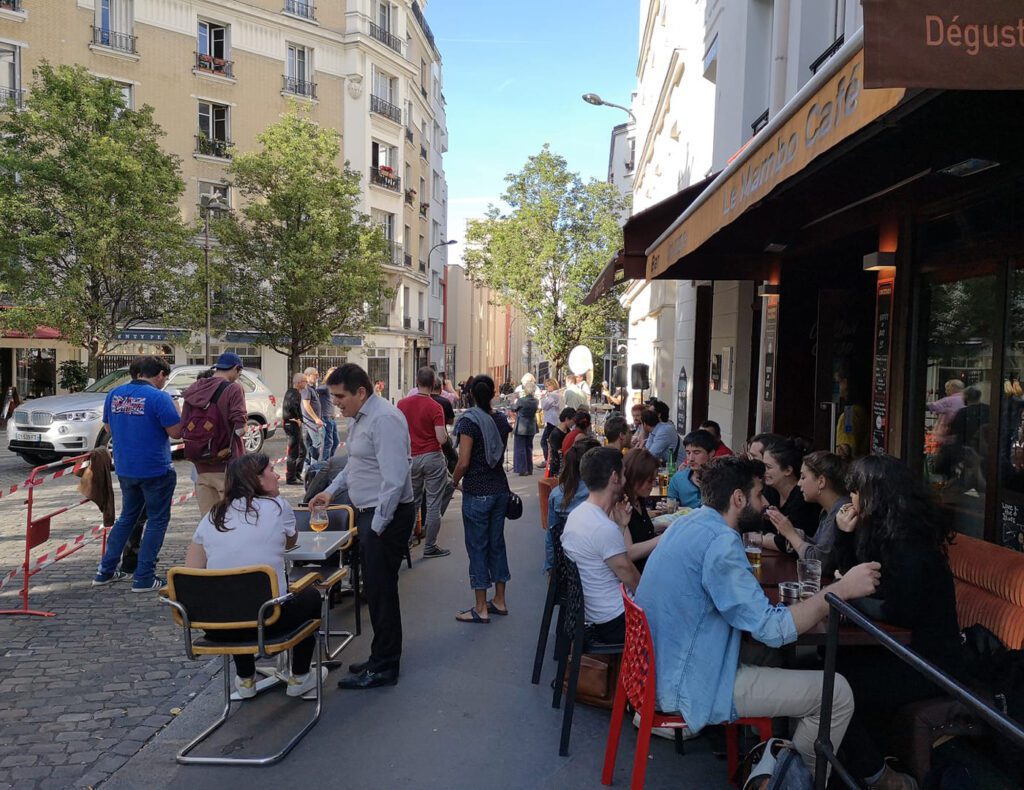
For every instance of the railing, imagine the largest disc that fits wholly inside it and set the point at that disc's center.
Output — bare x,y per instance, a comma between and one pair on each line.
10,5
407,322
379,317
300,8
299,87
423,90
11,94
385,179
416,12
385,108
408,260
833,48
206,146
760,122
385,37
423,151
424,208
423,266
108,38
224,68
397,253
408,134
998,720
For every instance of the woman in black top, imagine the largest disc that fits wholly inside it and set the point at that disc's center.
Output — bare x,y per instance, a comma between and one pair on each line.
640,470
892,520
782,461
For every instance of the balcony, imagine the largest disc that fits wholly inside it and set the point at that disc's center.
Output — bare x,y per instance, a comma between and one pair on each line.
298,87
423,151
408,260
408,135
423,267
386,38
832,49
422,325
384,176
396,253
213,65
407,322
385,108
300,8
122,42
424,208
8,95
216,148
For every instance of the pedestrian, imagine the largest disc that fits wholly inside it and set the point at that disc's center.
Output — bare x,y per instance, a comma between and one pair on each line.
291,413
331,441
140,417
213,420
565,425
551,405
483,436
427,436
379,484
525,430
312,422
616,432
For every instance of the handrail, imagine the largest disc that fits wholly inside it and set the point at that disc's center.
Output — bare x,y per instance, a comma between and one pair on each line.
823,745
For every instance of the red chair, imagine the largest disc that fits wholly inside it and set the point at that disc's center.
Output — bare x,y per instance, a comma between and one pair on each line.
637,684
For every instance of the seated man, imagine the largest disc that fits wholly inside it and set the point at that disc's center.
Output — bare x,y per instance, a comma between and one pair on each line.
565,422
700,596
601,547
663,438
684,485
715,430
616,432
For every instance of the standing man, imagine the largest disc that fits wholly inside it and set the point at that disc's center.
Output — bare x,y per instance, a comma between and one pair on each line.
331,442
311,419
291,413
214,414
140,418
551,405
574,396
428,435
379,484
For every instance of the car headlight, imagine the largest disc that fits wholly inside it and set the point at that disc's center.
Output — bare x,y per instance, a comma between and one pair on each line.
76,416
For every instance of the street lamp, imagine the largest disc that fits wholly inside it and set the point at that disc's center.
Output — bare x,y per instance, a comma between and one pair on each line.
597,101
206,204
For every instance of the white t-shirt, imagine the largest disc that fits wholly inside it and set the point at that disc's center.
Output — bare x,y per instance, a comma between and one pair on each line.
590,538
255,537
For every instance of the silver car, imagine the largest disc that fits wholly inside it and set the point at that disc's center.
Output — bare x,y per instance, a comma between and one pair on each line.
46,429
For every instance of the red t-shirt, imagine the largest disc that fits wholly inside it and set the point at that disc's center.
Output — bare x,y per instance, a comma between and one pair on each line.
721,450
422,413
570,440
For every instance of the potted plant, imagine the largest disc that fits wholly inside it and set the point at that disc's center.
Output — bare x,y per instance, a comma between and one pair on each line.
386,170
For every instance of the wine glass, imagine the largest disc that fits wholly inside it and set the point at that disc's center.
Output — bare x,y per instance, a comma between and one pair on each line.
318,518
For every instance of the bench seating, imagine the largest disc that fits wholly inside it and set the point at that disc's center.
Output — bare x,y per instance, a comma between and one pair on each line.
989,588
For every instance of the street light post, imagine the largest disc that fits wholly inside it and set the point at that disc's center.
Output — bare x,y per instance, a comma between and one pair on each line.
206,203
597,101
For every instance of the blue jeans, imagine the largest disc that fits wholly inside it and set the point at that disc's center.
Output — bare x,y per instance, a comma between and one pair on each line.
484,520
331,441
154,494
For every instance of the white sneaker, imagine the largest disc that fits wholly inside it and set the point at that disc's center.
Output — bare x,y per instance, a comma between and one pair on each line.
668,733
246,687
303,684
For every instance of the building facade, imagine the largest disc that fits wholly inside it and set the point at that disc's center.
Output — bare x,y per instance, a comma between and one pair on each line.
217,73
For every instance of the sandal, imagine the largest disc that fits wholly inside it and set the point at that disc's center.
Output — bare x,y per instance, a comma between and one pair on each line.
474,617
495,610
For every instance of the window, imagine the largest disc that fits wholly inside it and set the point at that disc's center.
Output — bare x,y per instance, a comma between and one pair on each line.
299,77
385,17
10,79
383,155
127,94
384,86
435,285
406,302
212,48
298,60
386,221
221,192
113,25
408,119
323,358
420,313
435,233
250,354
424,76
437,136
212,139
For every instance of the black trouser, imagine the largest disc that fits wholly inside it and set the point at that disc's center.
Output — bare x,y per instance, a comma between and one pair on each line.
130,555
611,633
303,607
382,557
548,428
296,450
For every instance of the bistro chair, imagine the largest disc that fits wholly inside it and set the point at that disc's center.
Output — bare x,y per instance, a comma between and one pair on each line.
248,597
340,518
572,641
553,599
637,688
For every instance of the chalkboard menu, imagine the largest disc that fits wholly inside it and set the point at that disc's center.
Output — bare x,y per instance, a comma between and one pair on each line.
771,331
1011,518
880,390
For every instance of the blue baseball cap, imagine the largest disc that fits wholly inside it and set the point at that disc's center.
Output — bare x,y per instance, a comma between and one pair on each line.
228,361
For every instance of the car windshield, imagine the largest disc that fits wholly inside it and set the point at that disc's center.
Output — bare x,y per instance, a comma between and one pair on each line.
110,381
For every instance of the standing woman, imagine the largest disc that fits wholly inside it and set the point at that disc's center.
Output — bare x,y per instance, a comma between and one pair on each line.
782,462
483,435
551,405
526,429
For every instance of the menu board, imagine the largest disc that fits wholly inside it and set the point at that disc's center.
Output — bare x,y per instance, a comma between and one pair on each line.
771,331
1011,519
880,390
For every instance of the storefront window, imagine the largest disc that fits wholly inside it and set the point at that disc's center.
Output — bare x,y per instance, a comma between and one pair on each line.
959,389
36,372
1011,437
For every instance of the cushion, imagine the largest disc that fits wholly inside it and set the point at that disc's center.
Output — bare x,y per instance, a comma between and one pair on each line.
1004,619
993,568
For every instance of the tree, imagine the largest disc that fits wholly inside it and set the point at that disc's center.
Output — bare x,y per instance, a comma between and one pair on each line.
545,253
93,239
300,263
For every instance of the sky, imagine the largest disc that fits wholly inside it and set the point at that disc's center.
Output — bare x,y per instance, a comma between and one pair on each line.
514,73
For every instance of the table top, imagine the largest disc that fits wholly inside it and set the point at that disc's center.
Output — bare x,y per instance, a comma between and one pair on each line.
316,545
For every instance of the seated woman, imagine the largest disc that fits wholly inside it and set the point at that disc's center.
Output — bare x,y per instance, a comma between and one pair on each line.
641,470
823,483
570,492
893,520
253,525
781,469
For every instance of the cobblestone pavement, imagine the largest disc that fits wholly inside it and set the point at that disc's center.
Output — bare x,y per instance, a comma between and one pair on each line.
82,691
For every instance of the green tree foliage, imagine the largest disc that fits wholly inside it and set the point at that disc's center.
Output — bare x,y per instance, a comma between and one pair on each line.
300,263
93,240
544,254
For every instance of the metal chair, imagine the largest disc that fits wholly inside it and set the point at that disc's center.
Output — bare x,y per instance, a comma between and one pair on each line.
340,518
238,598
553,599
637,688
571,643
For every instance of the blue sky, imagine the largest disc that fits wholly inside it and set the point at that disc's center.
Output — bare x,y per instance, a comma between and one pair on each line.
514,73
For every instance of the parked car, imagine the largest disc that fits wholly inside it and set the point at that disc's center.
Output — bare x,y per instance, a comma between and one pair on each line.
46,429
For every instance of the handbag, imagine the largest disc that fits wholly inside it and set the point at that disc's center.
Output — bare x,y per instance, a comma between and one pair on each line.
514,508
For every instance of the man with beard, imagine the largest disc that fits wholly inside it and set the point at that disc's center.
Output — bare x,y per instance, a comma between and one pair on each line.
700,596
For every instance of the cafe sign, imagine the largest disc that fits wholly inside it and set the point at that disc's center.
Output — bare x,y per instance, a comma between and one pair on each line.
841,107
948,44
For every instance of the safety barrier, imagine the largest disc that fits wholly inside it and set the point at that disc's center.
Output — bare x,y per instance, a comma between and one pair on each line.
999,721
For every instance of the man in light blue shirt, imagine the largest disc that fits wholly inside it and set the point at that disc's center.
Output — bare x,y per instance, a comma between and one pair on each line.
684,487
700,596
663,438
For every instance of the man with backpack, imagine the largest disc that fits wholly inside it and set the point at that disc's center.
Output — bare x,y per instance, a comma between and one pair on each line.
213,420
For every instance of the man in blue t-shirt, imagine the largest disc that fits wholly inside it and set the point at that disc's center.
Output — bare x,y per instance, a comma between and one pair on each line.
684,487
140,417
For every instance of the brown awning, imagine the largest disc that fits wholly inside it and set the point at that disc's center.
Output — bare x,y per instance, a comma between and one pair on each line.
609,277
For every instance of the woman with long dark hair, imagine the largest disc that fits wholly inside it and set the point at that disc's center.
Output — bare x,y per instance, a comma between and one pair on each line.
782,460
483,436
570,492
640,470
254,525
892,519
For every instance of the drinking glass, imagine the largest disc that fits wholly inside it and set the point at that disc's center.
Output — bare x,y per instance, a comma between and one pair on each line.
789,592
318,518
753,549
809,574
671,505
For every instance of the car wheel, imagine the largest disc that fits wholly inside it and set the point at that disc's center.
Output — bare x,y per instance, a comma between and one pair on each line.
252,441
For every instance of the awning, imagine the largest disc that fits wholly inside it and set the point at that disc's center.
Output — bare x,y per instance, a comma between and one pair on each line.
830,108
610,276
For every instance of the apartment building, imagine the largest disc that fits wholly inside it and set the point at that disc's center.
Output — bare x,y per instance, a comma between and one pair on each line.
217,73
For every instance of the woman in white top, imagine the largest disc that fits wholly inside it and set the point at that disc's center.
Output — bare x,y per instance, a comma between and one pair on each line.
254,525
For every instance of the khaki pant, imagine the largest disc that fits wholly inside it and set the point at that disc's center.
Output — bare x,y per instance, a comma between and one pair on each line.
209,490
795,693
